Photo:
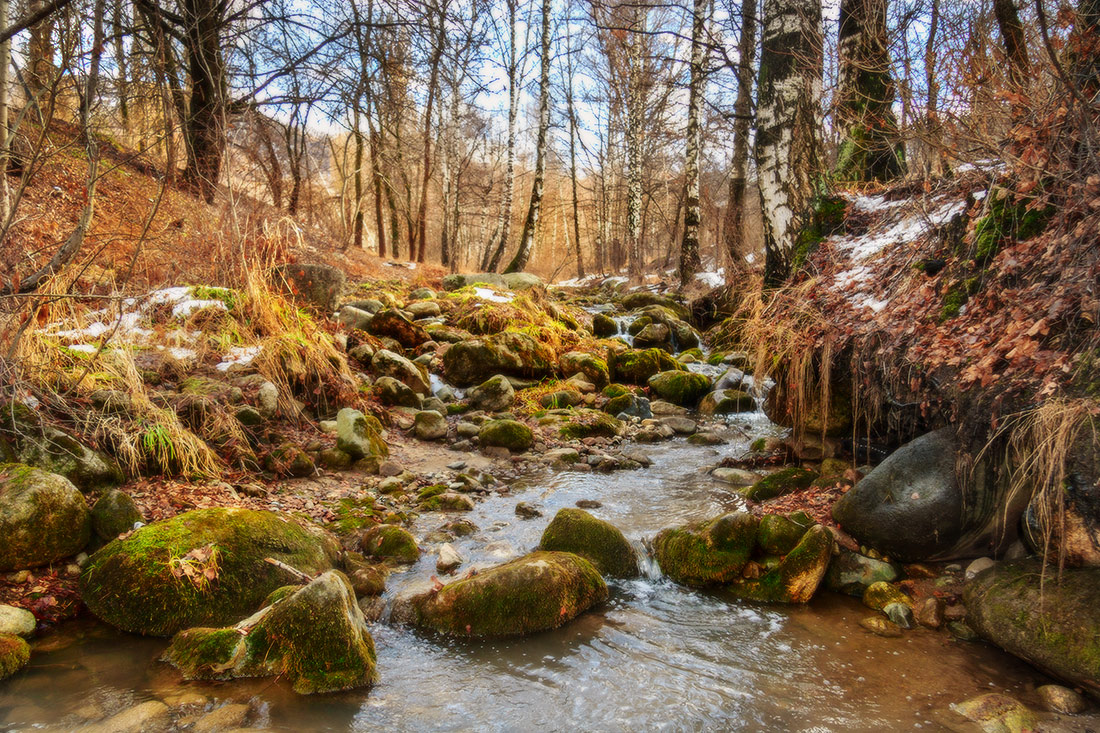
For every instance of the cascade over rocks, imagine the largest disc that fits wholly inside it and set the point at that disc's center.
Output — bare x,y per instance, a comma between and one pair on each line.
912,508
537,592
316,638
43,517
205,567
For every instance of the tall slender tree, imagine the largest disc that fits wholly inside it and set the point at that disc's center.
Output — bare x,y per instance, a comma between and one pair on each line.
689,246
742,126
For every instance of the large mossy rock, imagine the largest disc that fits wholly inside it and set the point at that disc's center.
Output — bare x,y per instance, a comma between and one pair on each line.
315,284
155,581
726,401
599,542
644,298
784,481
495,394
385,363
510,434
534,593
114,514
796,578
390,542
510,353
316,638
591,366
359,435
43,517
635,366
707,553
394,393
679,387
25,438
586,423
391,323
912,508
1051,619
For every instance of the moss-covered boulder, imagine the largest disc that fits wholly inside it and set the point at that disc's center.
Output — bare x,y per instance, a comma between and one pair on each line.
604,326
316,638
644,298
784,481
205,567
629,405
591,366
25,438
386,363
679,387
114,514
654,336
997,713
43,517
587,423
726,401
510,434
707,553
599,542
394,393
447,501
778,535
1048,618
797,576
510,353
290,461
359,436
881,594
495,394
852,573
533,593
389,542
14,655
391,323
635,366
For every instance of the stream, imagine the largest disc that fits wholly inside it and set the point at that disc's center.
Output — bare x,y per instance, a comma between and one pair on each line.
656,656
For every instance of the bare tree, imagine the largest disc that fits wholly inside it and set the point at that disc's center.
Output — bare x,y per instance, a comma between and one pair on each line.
689,246
742,112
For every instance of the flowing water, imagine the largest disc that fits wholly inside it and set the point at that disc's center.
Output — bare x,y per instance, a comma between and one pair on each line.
654,657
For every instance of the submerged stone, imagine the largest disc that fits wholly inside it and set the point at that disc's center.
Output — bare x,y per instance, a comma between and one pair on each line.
389,542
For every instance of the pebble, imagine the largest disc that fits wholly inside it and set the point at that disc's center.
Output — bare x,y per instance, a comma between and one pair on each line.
1058,699
588,504
226,717
390,468
982,563
930,613
457,465
881,627
449,559
526,511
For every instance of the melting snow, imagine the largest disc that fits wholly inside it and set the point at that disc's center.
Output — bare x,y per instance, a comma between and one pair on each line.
493,296
237,355
711,279
908,229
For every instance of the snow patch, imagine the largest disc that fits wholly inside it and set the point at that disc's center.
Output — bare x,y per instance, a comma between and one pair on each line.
237,355
712,279
493,296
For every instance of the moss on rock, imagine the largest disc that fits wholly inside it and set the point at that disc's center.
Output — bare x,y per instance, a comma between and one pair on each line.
316,638
680,388
707,553
784,481
138,585
881,594
797,576
389,542
725,401
581,362
510,434
591,423
534,593
43,517
599,542
14,655
637,366
114,514
778,535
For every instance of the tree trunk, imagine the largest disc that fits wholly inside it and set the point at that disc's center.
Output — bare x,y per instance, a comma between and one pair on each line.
5,66
788,127
527,239
689,245
504,224
634,112
122,86
357,227
205,131
742,110
433,83
573,165
40,52
933,160
1012,34
870,150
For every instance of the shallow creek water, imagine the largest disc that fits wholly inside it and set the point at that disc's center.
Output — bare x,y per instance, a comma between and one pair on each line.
655,657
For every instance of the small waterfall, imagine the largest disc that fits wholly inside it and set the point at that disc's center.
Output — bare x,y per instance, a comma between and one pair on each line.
647,564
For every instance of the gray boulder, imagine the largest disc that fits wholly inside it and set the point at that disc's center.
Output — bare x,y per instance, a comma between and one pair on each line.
354,318
316,285
430,425
911,506
493,395
359,436
386,363
114,514
43,517
394,393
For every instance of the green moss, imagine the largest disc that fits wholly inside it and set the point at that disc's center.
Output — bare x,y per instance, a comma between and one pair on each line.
782,482
353,515
229,298
881,594
14,655
707,553
534,593
827,219
591,423
510,434
43,518
429,491
958,294
797,576
1008,218
616,390
637,366
778,535
680,388
758,445
599,542
389,542
448,501
130,584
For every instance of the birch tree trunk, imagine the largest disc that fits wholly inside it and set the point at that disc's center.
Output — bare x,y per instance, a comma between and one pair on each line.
527,239
871,150
433,84
573,162
788,126
689,245
634,112
504,220
742,110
